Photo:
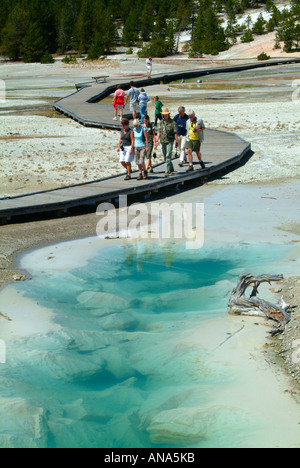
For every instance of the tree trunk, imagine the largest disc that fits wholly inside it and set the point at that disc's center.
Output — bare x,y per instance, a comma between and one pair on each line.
240,304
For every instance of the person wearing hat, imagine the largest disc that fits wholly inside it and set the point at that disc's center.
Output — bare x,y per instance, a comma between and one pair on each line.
167,134
195,136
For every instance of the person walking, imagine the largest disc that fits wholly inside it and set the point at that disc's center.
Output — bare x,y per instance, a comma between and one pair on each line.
151,137
149,66
195,136
181,119
143,100
140,148
158,110
133,95
119,102
126,146
167,134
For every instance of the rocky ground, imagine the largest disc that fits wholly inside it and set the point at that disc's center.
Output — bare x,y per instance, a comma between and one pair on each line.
290,340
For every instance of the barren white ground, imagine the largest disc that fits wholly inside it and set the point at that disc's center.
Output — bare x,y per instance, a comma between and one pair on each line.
39,149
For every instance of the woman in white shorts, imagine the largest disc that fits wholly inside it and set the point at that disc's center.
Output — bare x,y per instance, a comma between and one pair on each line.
149,66
126,147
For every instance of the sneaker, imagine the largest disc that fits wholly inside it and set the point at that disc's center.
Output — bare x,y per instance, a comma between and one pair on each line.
140,177
202,164
115,118
190,169
180,164
151,171
145,175
128,177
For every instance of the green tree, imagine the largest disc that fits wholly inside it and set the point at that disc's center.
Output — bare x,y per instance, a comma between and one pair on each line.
146,21
183,17
259,26
64,27
84,28
131,29
275,19
4,13
33,45
109,31
247,37
162,41
14,31
208,35
97,48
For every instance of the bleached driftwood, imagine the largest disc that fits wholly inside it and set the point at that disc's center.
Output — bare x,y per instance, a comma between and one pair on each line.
253,305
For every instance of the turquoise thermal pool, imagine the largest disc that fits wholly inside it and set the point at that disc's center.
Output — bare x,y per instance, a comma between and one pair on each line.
136,353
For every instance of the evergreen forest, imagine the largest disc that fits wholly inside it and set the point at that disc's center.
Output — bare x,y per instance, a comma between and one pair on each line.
32,30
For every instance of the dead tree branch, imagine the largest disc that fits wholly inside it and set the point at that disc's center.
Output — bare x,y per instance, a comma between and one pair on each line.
241,305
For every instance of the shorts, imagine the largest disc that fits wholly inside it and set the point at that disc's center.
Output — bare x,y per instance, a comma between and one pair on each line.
194,145
134,106
140,154
120,106
149,68
125,155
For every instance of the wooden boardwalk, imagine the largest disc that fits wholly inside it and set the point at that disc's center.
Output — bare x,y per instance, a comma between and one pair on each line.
221,151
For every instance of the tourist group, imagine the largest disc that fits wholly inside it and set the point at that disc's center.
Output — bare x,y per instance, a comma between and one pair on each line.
138,144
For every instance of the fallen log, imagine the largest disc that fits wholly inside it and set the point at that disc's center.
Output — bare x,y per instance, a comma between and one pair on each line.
239,304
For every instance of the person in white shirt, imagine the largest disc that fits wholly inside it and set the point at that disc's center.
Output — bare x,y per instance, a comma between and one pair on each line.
149,66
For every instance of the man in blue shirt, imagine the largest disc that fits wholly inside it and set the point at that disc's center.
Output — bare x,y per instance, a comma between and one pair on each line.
181,120
143,100
133,95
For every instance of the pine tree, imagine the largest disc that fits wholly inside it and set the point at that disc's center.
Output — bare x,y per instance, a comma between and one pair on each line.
146,21
97,48
183,17
14,31
162,41
84,28
33,45
208,36
131,29
259,25
65,26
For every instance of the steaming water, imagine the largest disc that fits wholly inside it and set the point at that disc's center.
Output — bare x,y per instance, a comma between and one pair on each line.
131,362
